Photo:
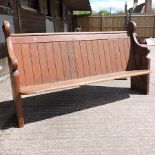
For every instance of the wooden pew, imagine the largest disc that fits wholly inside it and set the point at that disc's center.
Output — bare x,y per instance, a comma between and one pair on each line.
50,62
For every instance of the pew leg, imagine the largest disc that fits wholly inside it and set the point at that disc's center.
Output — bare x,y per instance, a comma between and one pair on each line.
19,110
141,83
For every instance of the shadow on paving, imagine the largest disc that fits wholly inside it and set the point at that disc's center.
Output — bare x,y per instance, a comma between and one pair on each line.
50,105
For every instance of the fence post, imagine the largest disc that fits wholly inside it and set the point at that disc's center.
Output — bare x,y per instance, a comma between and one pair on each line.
154,27
126,21
101,22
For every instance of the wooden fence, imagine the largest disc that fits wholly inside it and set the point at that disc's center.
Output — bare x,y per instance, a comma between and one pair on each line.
145,23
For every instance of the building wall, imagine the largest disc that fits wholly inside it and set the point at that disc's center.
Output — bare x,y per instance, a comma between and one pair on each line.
63,17
4,2
28,16
48,12
31,21
6,13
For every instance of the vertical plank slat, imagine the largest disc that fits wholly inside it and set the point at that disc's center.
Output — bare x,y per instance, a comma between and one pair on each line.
112,55
72,60
18,53
58,61
118,56
96,57
122,52
35,64
84,58
27,64
126,50
65,60
51,62
107,55
43,62
78,57
91,58
102,57
1,71
4,66
131,54
130,46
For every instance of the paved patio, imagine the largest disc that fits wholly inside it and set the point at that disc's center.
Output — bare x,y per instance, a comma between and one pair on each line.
102,119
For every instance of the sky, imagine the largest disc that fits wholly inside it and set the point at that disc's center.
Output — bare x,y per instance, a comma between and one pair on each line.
114,5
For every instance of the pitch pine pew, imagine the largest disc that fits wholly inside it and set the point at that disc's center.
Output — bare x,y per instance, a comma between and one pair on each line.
51,62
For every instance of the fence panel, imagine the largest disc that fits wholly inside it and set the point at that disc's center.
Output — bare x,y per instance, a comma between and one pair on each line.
145,23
